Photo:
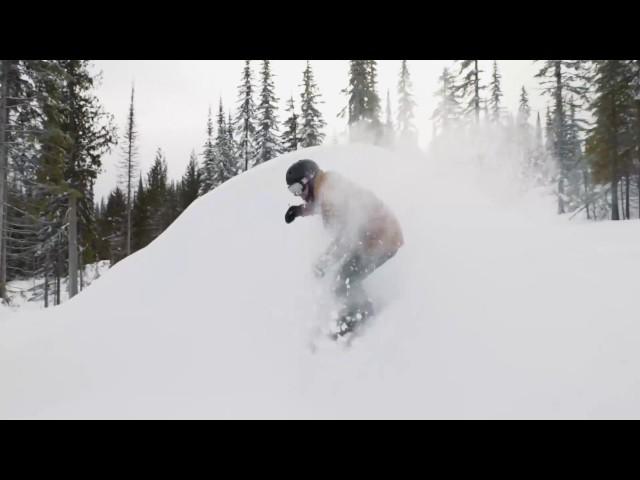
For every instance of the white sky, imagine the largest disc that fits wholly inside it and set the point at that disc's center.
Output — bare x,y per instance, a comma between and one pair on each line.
173,97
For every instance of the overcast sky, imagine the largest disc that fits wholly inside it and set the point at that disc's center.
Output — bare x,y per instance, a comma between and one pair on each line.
173,97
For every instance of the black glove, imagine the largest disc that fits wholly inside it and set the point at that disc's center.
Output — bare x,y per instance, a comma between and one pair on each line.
292,213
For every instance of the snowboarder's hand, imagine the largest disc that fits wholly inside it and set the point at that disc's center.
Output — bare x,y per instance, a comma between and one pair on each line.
292,213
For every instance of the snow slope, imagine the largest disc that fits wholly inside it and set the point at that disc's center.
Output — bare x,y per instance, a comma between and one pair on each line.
494,308
28,294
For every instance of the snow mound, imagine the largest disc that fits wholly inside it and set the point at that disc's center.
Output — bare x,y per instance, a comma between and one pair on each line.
494,308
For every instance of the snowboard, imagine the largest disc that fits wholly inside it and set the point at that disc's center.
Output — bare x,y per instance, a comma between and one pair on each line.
344,326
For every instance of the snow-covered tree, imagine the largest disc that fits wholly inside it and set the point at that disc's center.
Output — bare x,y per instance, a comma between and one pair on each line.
209,165
558,79
524,110
389,130
246,119
291,135
363,105
495,98
226,165
406,105
609,141
447,111
267,140
469,88
311,121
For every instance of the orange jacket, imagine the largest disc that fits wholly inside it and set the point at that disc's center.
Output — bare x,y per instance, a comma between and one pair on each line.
356,216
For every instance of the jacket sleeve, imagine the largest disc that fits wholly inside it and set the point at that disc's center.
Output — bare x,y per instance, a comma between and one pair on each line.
307,209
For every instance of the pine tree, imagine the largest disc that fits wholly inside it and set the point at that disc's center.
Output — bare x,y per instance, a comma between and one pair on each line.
538,135
141,218
357,90
115,225
550,164
357,109
71,132
210,160
634,70
524,131
537,154
389,131
129,164
51,196
558,79
447,111
363,107
549,131
171,210
18,120
373,100
578,177
311,121
233,147
191,183
496,94
609,141
245,121
101,246
290,136
54,133
406,106
90,134
469,87
157,182
4,166
226,167
267,141
573,137
524,110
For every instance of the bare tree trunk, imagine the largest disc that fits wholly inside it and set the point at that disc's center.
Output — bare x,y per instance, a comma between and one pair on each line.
56,298
58,272
621,198
559,125
73,246
615,214
3,254
46,286
47,264
129,215
626,196
3,175
131,152
561,195
80,262
585,179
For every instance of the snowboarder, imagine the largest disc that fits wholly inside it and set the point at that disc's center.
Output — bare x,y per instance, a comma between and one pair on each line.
365,233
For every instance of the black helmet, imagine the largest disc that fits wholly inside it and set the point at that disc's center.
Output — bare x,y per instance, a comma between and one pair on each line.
303,171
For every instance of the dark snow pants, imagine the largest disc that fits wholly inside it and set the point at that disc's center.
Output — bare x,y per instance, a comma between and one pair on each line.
348,284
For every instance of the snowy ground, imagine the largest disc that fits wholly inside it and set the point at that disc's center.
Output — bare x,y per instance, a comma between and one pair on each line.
28,294
494,308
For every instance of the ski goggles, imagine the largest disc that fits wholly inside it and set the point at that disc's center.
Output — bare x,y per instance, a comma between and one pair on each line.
298,187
